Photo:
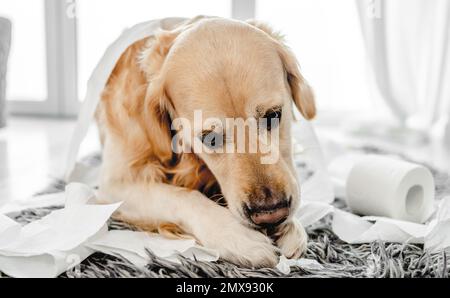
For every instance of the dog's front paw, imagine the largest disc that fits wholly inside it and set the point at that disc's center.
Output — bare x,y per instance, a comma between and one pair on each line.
239,244
292,239
249,248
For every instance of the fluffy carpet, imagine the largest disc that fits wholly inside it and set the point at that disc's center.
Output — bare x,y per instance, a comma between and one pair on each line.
341,260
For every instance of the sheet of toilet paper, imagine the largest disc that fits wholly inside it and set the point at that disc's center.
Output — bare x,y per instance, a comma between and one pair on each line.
99,78
354,229
53,244
64,238
285,265
133,246
307,150
15,206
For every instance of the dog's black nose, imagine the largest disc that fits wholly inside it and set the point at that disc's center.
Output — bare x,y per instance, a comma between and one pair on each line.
268,215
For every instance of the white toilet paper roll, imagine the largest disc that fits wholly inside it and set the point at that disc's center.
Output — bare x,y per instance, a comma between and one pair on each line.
381,186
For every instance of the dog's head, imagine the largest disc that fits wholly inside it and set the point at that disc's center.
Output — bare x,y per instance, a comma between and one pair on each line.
234,70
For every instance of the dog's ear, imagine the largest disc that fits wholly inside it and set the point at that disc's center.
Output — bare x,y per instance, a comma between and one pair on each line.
158,113
302,93
158,109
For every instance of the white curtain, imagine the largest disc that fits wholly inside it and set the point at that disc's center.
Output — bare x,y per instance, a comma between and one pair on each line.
408,47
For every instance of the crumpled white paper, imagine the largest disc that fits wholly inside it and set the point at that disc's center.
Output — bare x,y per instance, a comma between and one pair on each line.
354,229
85,174
56,199
285,265
99,78
64,238
438,236
307,149
132,246
53,244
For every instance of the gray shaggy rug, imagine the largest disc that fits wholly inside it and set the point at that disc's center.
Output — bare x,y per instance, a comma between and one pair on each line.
339,260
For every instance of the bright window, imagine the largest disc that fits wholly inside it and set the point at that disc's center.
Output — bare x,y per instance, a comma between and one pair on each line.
326,37
100,22
324,34
27,71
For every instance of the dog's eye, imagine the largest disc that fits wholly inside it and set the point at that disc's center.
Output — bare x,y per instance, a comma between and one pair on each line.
212,140
272,119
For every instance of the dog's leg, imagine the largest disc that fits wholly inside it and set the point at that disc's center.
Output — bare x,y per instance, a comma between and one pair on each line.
214,226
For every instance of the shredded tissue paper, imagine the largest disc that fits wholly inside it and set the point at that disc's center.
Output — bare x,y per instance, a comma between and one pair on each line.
397,199
64,238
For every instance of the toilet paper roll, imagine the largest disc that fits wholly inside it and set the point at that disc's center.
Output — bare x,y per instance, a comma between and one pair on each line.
381,186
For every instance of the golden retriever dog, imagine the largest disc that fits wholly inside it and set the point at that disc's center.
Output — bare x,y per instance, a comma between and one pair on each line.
229,202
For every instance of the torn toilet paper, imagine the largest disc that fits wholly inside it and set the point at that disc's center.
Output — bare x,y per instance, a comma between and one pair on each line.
55,243
132,246
56,199
354,229
99,78
285,265
64,238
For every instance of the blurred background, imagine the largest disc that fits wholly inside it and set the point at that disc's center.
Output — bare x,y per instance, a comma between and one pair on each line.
380,70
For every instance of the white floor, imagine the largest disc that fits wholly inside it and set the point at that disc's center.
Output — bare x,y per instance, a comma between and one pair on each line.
33,151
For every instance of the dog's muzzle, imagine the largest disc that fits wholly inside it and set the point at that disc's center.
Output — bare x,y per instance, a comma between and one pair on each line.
268,216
